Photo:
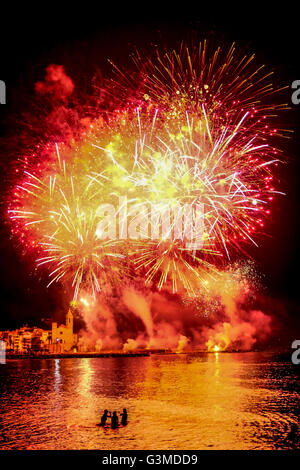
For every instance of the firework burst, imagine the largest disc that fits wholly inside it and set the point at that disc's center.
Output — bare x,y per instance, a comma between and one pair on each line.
193,129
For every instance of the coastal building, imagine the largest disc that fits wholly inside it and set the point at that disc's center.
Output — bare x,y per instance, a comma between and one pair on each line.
27,339
63,337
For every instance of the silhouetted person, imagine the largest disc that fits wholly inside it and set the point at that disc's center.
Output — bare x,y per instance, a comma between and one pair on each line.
104,418
114,420
124,417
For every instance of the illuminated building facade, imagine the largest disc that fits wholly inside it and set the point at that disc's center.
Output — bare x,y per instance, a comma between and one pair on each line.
31,339
26,339
63,337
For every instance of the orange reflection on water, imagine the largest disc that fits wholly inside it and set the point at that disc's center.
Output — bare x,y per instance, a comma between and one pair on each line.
182,401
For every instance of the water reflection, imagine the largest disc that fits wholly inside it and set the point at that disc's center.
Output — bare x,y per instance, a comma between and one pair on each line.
220,401
57,375
86,375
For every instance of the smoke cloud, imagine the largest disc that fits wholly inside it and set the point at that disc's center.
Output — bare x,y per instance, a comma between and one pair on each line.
57,85
224,319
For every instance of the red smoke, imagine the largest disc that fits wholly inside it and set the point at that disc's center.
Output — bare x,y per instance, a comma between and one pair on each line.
57,85
142,319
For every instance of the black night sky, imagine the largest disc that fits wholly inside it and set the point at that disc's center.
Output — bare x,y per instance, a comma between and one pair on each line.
81,38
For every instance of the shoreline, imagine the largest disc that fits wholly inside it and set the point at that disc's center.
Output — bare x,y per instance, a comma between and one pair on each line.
73,355
117,354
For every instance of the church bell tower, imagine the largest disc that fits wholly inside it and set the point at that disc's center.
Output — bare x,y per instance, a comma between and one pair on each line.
69,320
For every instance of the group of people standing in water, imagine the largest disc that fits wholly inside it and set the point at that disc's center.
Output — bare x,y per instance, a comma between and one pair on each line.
114,418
